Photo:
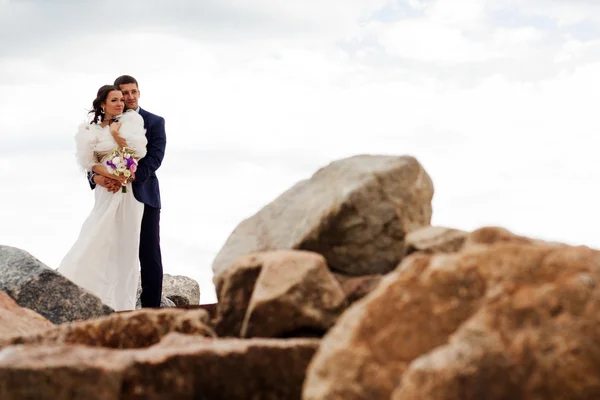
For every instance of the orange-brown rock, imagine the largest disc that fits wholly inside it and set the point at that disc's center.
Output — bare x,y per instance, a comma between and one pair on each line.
494,235
357,287
278,294
210,308
140,328
295,293
180,367
234,290
511,319
16,320
435,239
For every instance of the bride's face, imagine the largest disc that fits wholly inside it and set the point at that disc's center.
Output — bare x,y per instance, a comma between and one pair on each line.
114,103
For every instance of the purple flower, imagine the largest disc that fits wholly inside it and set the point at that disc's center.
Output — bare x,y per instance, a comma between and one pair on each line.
110,164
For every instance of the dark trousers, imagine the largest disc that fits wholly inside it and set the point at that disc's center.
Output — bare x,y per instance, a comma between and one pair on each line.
150,258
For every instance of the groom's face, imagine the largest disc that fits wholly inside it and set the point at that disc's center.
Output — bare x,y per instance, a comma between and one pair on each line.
131,94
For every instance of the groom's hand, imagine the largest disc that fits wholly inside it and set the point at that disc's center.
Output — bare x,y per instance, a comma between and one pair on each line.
112,185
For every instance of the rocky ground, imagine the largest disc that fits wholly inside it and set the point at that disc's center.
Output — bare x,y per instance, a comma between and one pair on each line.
338,289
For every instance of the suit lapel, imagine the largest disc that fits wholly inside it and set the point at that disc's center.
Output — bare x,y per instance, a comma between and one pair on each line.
144,115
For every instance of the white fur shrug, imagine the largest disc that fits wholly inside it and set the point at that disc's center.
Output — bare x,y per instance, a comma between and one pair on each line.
93,141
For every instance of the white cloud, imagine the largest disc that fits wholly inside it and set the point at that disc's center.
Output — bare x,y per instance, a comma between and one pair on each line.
463,13
499,107
426,40
521,37
564,13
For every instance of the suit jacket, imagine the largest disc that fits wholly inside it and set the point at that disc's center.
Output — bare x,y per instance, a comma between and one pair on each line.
145,186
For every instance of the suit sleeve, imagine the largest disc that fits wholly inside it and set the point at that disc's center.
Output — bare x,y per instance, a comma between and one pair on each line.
90,181
157,142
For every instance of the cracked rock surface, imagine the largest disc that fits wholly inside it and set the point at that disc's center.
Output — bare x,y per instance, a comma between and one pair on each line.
505,318
356,212
35,286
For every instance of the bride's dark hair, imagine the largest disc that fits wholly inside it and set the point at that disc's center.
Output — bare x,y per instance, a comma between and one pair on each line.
97,103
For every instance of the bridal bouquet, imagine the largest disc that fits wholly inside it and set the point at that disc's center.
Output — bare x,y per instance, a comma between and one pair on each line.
121,162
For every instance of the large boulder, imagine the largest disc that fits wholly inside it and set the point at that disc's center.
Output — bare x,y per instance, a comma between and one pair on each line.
35,286
504,318
16,320
179,367
124,330
356,212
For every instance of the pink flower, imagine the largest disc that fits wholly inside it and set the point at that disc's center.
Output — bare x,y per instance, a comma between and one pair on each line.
133,168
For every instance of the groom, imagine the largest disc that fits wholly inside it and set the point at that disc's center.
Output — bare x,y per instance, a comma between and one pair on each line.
145,190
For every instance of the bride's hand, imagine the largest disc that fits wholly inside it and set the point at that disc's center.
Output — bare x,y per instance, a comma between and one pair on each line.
121,179
114,130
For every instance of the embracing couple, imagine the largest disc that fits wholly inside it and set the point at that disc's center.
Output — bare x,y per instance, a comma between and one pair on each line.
120,149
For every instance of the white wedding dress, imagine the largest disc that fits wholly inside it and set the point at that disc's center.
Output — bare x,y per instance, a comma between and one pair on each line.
105,257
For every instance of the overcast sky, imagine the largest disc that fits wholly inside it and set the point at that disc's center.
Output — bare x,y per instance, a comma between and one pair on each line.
498,99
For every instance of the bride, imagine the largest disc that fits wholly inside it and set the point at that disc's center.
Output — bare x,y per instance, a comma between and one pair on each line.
104,259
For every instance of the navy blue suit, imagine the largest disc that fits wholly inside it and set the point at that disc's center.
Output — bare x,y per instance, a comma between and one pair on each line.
145,185
146,190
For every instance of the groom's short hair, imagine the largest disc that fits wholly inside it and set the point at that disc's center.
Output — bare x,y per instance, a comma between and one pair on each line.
125,79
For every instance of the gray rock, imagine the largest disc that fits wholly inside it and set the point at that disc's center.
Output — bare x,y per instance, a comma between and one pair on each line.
183,291
35,286
178,290
356,212
164,302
